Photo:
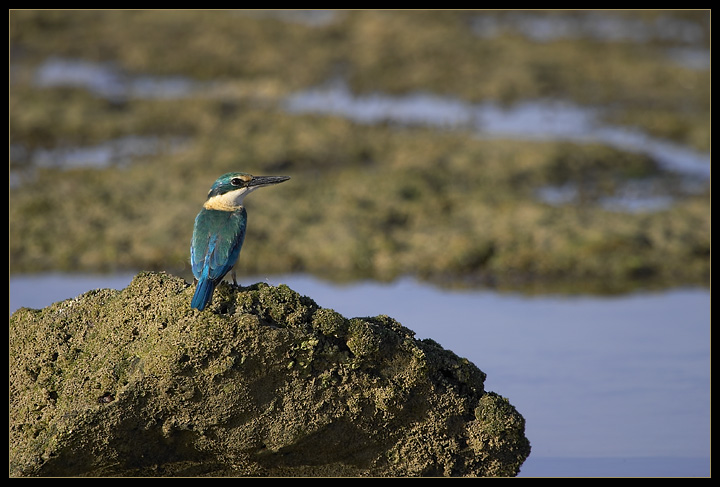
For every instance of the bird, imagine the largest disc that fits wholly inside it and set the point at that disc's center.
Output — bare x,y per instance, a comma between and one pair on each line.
219,231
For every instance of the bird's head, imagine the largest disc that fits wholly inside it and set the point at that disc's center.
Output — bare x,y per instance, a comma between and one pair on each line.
229,190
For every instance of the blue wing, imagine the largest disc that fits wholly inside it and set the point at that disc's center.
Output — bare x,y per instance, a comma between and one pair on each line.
217,239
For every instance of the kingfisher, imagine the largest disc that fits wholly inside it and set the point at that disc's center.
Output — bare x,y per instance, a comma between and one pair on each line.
220,231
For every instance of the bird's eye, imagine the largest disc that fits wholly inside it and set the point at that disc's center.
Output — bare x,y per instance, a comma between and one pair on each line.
236,182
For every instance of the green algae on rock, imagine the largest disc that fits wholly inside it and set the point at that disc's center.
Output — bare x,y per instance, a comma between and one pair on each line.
264,383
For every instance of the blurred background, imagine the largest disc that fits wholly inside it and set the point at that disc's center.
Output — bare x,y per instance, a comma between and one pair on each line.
531,189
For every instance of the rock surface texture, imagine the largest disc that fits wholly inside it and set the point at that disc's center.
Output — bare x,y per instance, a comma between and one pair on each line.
263,383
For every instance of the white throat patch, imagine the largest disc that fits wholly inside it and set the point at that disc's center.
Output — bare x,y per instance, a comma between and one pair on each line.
231,201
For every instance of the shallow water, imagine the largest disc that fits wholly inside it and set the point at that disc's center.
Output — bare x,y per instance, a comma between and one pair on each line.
609,386
108,81
527,120
604,26
536,119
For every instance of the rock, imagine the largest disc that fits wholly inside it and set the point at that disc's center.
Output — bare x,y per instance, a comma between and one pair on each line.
263,383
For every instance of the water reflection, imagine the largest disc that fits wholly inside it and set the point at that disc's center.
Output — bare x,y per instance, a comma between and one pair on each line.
528,120
633,196
539,119
109,81
598,379
118,152
601,26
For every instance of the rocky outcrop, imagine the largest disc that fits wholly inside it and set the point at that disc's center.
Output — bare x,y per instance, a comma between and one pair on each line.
263,383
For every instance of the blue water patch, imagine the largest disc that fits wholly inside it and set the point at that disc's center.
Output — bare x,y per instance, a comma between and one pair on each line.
599,26
117,152
615,467
109,81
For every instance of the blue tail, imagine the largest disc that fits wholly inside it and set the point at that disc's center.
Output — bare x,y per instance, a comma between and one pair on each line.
203,294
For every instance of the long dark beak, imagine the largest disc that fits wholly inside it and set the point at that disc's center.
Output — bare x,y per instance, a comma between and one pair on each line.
267,180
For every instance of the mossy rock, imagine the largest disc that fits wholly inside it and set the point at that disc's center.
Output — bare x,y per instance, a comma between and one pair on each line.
263,383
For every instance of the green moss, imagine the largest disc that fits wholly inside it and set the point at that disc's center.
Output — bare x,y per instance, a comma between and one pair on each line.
135,382
329,322
497,426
